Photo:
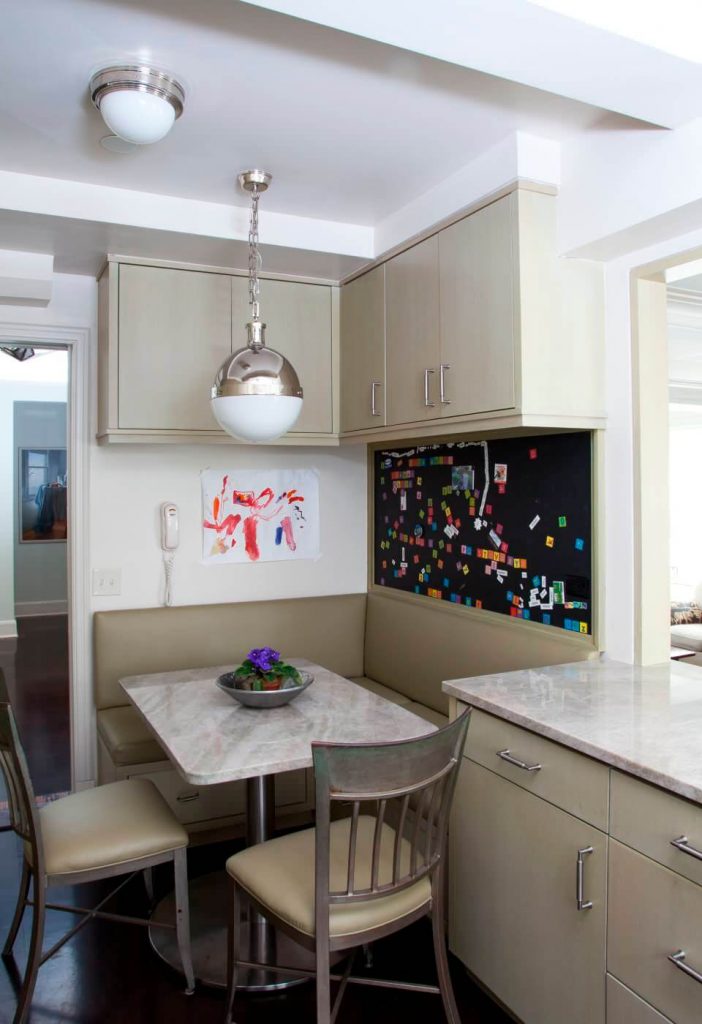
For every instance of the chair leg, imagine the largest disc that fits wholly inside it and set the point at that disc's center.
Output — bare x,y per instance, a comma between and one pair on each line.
322,983
19,909
148,875
180,869
233,939
442,967
35,952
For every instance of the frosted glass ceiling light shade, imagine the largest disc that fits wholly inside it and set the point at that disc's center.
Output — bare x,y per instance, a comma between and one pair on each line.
256,395
137,103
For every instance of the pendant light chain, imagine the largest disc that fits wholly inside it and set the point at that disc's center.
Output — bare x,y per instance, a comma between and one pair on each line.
254,255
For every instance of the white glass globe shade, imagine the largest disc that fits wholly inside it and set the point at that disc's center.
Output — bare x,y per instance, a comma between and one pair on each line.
138,117
256,417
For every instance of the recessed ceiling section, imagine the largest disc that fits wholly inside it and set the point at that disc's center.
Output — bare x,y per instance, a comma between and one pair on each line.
354,128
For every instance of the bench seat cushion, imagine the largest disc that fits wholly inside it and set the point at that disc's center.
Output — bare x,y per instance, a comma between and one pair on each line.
127,737
382,691
688,637
429,714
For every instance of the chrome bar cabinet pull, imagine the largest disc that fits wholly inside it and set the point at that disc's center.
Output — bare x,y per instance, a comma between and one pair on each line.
374,384
428,404
679,960
583,904
442,384
682,843
507,756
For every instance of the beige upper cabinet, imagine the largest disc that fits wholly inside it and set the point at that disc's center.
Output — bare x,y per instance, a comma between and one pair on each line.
363,352
478,330
412,333
175,328
164,331
299,325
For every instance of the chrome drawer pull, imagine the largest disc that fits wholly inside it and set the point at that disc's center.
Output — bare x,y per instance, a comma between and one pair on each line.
583,904
682,843
374,384
679,960
507,756
428,404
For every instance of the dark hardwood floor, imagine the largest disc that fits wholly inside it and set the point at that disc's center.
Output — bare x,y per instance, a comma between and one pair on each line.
108,972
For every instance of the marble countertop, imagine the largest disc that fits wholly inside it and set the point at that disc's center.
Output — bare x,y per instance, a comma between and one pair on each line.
645,721
210,737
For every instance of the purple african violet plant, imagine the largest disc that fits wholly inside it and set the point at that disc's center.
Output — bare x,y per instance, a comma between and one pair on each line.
262,669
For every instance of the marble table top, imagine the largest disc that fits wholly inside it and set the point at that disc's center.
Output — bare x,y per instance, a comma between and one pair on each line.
210,737
645,721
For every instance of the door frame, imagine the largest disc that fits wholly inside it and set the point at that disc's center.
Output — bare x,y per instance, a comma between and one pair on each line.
76,340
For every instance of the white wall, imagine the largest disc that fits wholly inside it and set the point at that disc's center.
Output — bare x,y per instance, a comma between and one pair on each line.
129,483
40,567
10,392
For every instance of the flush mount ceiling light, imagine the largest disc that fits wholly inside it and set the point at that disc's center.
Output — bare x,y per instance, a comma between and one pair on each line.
256,394
138,103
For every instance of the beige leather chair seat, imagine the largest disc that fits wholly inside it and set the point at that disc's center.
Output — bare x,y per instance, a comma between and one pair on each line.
127,737
281,874
107,826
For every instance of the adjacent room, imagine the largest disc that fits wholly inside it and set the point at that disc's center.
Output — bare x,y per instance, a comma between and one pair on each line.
350,580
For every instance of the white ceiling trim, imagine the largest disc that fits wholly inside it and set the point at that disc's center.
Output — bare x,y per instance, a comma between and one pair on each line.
515,40
76,200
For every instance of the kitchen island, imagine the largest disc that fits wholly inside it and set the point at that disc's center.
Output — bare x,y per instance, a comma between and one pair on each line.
576,842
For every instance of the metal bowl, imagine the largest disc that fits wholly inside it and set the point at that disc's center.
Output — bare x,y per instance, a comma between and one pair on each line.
262,698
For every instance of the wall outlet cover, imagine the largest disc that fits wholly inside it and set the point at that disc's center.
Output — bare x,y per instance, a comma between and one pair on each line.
107,582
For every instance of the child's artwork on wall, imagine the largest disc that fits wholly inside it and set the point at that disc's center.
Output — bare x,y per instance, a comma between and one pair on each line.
259,516
503,525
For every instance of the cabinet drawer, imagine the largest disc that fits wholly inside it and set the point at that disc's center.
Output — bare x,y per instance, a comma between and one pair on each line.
649,819
625,1007
193,804
569,780
654,913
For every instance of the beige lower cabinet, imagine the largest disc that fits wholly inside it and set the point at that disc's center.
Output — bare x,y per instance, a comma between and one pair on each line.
655,913
514,916
625,1007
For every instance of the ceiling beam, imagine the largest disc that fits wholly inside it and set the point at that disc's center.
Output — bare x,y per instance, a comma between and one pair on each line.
524,43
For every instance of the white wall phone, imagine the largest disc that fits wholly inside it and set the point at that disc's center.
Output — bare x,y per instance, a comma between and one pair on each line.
169,543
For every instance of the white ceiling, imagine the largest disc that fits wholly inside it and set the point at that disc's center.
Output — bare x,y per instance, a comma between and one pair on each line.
365,111
352,129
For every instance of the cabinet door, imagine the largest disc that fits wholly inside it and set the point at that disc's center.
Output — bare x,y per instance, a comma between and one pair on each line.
412,333
478,336
299,326
514,920
363,351
174,332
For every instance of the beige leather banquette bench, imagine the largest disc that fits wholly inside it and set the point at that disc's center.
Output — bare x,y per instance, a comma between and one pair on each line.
400,649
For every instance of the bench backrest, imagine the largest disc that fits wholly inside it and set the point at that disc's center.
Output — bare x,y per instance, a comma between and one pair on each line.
413,647
326,630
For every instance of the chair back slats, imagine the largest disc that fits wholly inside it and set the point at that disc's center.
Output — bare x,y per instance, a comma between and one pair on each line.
351,870
377,840
401,797
399,833
24,818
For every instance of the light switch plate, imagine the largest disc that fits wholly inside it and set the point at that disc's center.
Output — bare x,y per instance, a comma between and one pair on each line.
107,582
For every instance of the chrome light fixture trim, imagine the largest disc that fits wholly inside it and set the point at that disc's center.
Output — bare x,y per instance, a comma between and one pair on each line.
138,78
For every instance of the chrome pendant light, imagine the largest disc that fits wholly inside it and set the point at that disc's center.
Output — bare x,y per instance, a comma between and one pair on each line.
256,394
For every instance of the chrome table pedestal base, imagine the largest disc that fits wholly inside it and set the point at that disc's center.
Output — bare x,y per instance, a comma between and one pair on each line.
210,902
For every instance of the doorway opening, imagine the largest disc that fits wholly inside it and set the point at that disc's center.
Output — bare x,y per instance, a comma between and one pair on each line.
35,488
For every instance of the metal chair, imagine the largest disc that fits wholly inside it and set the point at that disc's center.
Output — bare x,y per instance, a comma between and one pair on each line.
351,881
98,833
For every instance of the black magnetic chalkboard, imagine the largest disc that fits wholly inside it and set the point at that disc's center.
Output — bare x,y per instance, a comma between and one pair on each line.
504,525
